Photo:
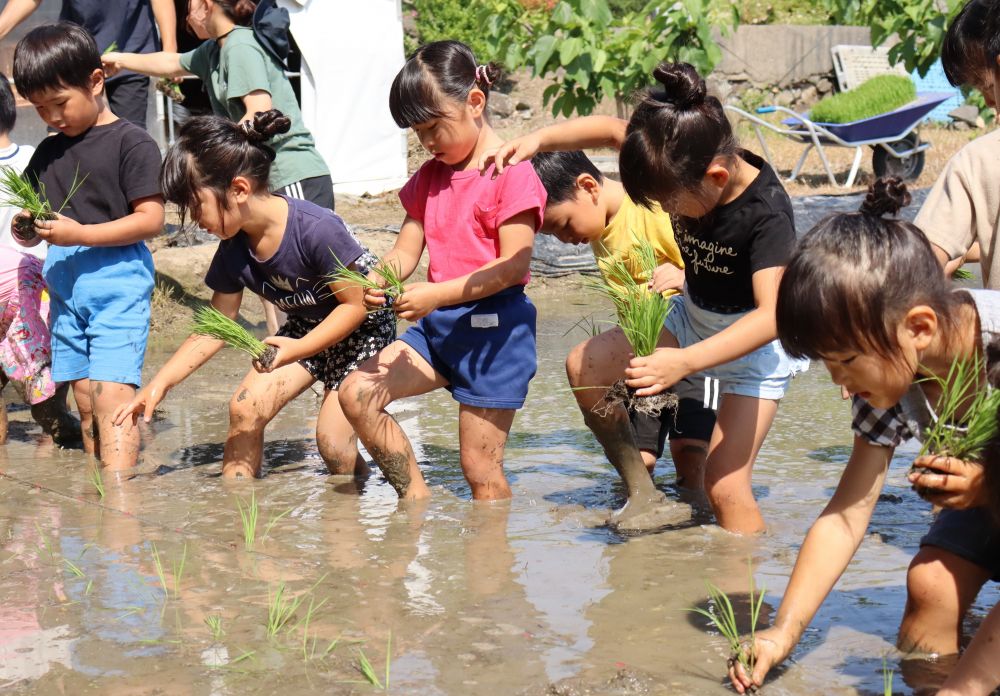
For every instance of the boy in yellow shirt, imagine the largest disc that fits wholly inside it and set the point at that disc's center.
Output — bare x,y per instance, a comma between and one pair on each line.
585,207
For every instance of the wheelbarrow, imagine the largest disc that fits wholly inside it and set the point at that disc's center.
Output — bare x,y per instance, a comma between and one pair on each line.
896,146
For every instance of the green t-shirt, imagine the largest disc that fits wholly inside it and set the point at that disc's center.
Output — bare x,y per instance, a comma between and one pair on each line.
241,67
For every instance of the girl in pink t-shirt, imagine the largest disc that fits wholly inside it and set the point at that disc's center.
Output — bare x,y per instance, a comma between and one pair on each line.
475,328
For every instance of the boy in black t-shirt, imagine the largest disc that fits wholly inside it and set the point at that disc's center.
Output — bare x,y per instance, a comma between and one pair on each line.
98,269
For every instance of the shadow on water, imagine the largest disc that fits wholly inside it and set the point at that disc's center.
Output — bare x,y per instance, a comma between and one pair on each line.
280,457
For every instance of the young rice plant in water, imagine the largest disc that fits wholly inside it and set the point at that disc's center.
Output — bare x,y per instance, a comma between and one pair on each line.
963,437
208,321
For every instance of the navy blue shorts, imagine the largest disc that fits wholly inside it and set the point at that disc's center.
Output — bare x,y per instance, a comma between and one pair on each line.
969,534
485,349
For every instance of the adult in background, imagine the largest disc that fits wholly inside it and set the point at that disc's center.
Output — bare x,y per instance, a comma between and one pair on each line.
131,25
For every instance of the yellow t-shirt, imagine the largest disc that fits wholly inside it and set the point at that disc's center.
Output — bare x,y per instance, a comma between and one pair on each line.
635,221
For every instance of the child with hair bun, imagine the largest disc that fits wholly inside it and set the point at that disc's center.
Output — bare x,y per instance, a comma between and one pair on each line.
475,328
864,294
286,251
733,224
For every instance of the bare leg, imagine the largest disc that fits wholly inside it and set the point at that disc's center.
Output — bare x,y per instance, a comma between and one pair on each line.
690,457
597,363
740,429
482,435
118,445
396,372
273,316
256,402
56,420
940,588
84,404
337,441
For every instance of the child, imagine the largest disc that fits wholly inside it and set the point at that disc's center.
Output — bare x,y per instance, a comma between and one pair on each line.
98,270
733,223
583,207
285,250
865,295
475,330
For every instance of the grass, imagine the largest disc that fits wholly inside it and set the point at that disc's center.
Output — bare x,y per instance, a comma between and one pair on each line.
392,285
723,616
96,480
963,438
640,312
208,321
214,623
878,95
280,609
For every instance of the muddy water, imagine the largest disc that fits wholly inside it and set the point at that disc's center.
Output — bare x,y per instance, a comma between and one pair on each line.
533,597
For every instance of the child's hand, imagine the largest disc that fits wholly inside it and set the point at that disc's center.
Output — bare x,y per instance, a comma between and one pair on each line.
22,224
771,647
667,277
62,231
375,299
949,482
657,372
417,301
510,153
111,62
286,355
145,401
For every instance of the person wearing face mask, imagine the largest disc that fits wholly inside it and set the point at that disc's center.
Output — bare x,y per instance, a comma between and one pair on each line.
131,25
241,63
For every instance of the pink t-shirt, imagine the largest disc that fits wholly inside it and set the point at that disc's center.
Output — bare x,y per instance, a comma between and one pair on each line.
462,212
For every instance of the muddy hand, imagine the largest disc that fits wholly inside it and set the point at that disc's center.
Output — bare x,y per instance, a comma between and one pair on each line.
654,373
285,354
145,402
649,513
949,482
375,298
768,650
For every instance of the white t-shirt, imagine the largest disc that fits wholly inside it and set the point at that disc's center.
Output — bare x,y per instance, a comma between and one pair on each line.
16,156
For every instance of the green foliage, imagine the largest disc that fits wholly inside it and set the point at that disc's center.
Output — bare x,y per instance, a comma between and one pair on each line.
595,54
966,437
876,96
437,20
919,24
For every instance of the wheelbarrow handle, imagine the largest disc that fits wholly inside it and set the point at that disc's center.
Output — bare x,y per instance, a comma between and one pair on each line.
766,109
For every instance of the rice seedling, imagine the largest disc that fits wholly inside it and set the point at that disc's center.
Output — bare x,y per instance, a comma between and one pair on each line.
367,671
208,321
962,274
17,190
112,47
723,617
280,609
271,522
167,86
160,572
248,517
179,571
247,654
214,623
45,542
887,675
963,437
389,272
96,480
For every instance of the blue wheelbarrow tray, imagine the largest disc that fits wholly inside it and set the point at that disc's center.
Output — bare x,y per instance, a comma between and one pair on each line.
886,127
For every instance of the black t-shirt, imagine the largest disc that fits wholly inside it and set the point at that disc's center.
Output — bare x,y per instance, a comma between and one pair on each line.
120,160
127,23
723,249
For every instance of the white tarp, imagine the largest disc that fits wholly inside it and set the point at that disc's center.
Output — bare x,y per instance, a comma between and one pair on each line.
351,51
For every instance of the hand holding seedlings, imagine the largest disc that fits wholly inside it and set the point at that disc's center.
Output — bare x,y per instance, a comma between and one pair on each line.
419,300
667,277
61,231
285,353
654,373
769,647
208,321
382,284
949,482
18,191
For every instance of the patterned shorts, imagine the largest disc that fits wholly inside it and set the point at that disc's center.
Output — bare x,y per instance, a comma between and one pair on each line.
331,366
24,348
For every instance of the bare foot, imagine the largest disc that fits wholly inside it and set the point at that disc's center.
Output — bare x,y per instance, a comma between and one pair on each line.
648,514
239,470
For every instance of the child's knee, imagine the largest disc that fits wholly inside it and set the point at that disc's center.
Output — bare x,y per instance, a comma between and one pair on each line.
340,454
358,396
244,409
929,582
575,364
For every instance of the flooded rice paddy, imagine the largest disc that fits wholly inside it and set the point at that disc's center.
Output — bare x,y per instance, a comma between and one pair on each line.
152,589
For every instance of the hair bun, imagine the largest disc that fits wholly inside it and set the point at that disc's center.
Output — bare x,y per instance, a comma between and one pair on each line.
886,195
244,9
487,75
265,125
682,85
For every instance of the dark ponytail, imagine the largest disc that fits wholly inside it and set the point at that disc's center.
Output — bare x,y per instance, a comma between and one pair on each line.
211,151
673,136
239,11
854,276
435,74
972,43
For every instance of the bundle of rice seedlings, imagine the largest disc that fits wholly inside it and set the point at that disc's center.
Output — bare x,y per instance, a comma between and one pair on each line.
963,437
962,274
208,321
879,95
167,86
18,191
389,273
640,313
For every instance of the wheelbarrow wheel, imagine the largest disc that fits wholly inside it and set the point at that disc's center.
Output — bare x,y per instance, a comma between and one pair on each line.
906,168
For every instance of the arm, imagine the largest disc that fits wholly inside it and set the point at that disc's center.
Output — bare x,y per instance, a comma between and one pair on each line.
575,134
16,12
166,22
517,236
192,354
345,318
258,100
826,552
161,64
978,671
667,366
144,222
404,257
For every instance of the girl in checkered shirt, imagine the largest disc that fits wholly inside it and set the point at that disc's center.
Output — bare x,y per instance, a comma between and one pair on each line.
865,294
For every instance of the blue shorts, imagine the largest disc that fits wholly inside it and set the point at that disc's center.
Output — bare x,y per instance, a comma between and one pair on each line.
100,311
764,373
485,349
969,534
